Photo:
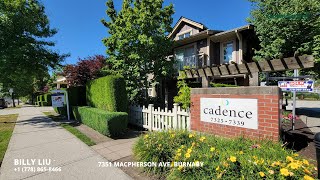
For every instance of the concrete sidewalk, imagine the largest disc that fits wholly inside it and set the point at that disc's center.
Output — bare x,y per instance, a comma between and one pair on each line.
36,137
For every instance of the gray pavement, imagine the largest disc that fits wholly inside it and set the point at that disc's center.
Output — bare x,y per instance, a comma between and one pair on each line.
36,137
115,149
309,113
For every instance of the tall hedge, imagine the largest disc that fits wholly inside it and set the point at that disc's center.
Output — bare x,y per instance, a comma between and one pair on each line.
107,123
77,96
108,93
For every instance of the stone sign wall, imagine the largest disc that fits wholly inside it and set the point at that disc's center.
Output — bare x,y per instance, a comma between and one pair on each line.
252,112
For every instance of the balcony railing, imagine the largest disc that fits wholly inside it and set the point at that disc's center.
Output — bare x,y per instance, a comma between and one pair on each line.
191,61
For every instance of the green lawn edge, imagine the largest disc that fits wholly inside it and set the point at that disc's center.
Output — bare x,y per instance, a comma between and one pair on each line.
6,129
78,134
71,129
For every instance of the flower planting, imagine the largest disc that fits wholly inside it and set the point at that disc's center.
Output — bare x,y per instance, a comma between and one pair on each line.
220,158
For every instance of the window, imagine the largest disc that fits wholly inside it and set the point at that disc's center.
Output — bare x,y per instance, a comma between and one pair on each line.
185,57
227,51
185,35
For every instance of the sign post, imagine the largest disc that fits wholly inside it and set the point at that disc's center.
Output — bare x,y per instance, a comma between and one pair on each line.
58,100
295,74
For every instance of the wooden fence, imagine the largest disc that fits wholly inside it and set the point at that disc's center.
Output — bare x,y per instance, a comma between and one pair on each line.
155,119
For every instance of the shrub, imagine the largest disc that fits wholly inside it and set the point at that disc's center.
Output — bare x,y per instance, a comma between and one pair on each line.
108,93
221,85
184,92
311,96
62,111
37,100
47,99
41,97
107,123
222,158
77,96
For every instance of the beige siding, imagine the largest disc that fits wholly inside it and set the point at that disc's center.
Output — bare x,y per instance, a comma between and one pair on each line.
202,46
186,28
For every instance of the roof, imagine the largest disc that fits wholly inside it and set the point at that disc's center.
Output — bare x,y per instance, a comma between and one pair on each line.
189,21
201,35
230,32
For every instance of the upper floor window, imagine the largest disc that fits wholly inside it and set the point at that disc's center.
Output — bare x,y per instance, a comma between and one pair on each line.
186,57
227,51
185,35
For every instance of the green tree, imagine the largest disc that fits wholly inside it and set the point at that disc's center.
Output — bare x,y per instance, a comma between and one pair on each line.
25,51
138,43
287,28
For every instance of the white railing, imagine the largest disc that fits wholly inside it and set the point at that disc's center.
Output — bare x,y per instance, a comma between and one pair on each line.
159,119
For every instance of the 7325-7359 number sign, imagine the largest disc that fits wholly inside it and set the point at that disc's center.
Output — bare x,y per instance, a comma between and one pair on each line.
230,111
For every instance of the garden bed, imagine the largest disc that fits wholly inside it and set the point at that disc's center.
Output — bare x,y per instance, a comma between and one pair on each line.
222,158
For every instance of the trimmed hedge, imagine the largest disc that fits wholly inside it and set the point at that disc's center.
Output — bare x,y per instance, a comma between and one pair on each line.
108,93
107,123
62,111
46,99
77,96
41,98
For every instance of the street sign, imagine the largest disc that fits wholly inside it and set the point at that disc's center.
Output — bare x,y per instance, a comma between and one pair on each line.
57,99
296,86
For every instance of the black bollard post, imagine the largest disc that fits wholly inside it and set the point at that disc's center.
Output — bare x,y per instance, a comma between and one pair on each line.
317,144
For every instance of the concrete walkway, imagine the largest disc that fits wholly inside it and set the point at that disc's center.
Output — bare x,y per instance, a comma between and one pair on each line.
37,138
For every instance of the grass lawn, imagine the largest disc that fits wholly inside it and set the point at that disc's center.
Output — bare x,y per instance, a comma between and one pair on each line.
7,123
78,134
70,128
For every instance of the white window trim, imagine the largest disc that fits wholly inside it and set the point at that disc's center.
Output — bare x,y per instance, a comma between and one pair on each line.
234,47
184,32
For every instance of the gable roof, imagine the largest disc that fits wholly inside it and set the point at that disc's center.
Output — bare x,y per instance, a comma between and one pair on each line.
188,21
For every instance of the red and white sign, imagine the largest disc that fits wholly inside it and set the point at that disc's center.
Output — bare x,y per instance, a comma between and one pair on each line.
305,86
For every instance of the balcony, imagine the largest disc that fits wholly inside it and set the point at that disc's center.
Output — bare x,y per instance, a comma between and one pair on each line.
194,61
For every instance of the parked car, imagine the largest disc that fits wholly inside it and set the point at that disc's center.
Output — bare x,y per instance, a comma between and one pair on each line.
3,104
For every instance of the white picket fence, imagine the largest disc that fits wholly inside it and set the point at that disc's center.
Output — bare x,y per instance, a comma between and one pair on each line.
159,119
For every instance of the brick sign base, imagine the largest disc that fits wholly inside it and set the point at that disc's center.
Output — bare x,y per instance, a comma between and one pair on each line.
268,102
